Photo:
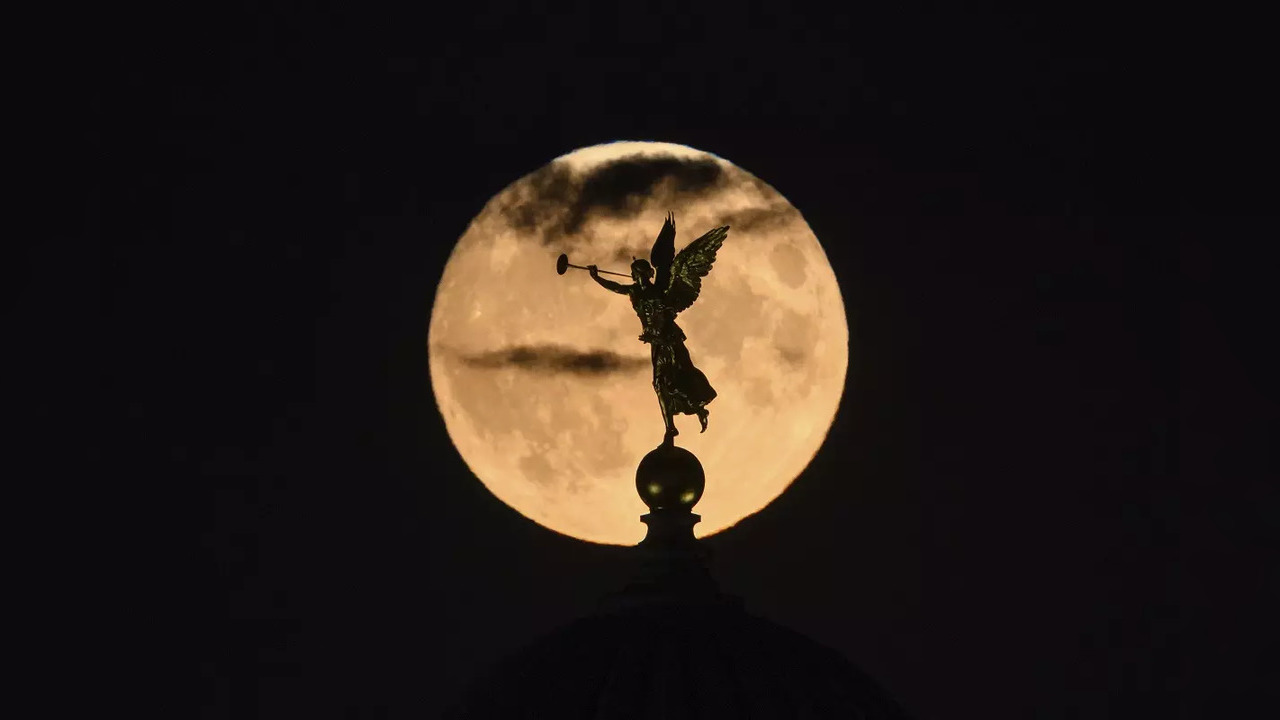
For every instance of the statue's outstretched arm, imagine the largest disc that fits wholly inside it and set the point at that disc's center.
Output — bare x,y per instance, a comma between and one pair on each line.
606,284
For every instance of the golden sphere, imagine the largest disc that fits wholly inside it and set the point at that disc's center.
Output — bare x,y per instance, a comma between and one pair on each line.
670,477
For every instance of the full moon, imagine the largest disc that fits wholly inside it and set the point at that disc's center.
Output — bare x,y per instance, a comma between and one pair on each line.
546,390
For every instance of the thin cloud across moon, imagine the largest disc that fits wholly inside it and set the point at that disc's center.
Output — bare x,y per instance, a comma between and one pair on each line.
546,390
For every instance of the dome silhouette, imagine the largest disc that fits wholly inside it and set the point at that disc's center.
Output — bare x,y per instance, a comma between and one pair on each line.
671,645
678,661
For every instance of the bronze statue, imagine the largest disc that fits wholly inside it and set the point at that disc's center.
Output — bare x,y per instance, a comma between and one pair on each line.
681,387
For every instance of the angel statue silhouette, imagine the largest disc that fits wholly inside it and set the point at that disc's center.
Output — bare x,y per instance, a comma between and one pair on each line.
681,387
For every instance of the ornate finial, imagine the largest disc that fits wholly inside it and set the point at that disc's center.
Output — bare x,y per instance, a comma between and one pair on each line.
671,561
670,481
670,478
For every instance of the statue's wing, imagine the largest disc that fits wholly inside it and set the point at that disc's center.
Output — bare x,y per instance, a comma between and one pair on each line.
690,266
664,251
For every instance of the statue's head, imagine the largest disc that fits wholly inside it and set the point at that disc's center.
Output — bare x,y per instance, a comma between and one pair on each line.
641,270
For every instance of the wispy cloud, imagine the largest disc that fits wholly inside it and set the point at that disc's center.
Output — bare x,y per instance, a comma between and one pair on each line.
558,203
765,217
556,359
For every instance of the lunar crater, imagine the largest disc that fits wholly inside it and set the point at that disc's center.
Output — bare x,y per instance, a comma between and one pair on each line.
790,356
789,264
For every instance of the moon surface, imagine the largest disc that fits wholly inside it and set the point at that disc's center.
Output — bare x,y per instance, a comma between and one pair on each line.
547,392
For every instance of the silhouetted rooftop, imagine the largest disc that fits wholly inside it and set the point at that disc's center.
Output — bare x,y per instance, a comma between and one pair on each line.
671,645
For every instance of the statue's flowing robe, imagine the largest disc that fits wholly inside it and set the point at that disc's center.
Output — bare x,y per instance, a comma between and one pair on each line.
684,387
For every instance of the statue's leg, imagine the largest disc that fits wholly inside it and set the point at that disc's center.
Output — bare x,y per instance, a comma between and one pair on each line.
702,418
667,421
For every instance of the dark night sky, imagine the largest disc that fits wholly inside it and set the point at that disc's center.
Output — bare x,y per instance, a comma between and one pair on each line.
995,525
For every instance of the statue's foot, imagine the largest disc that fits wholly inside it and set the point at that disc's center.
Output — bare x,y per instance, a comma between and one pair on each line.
671,433
702,418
